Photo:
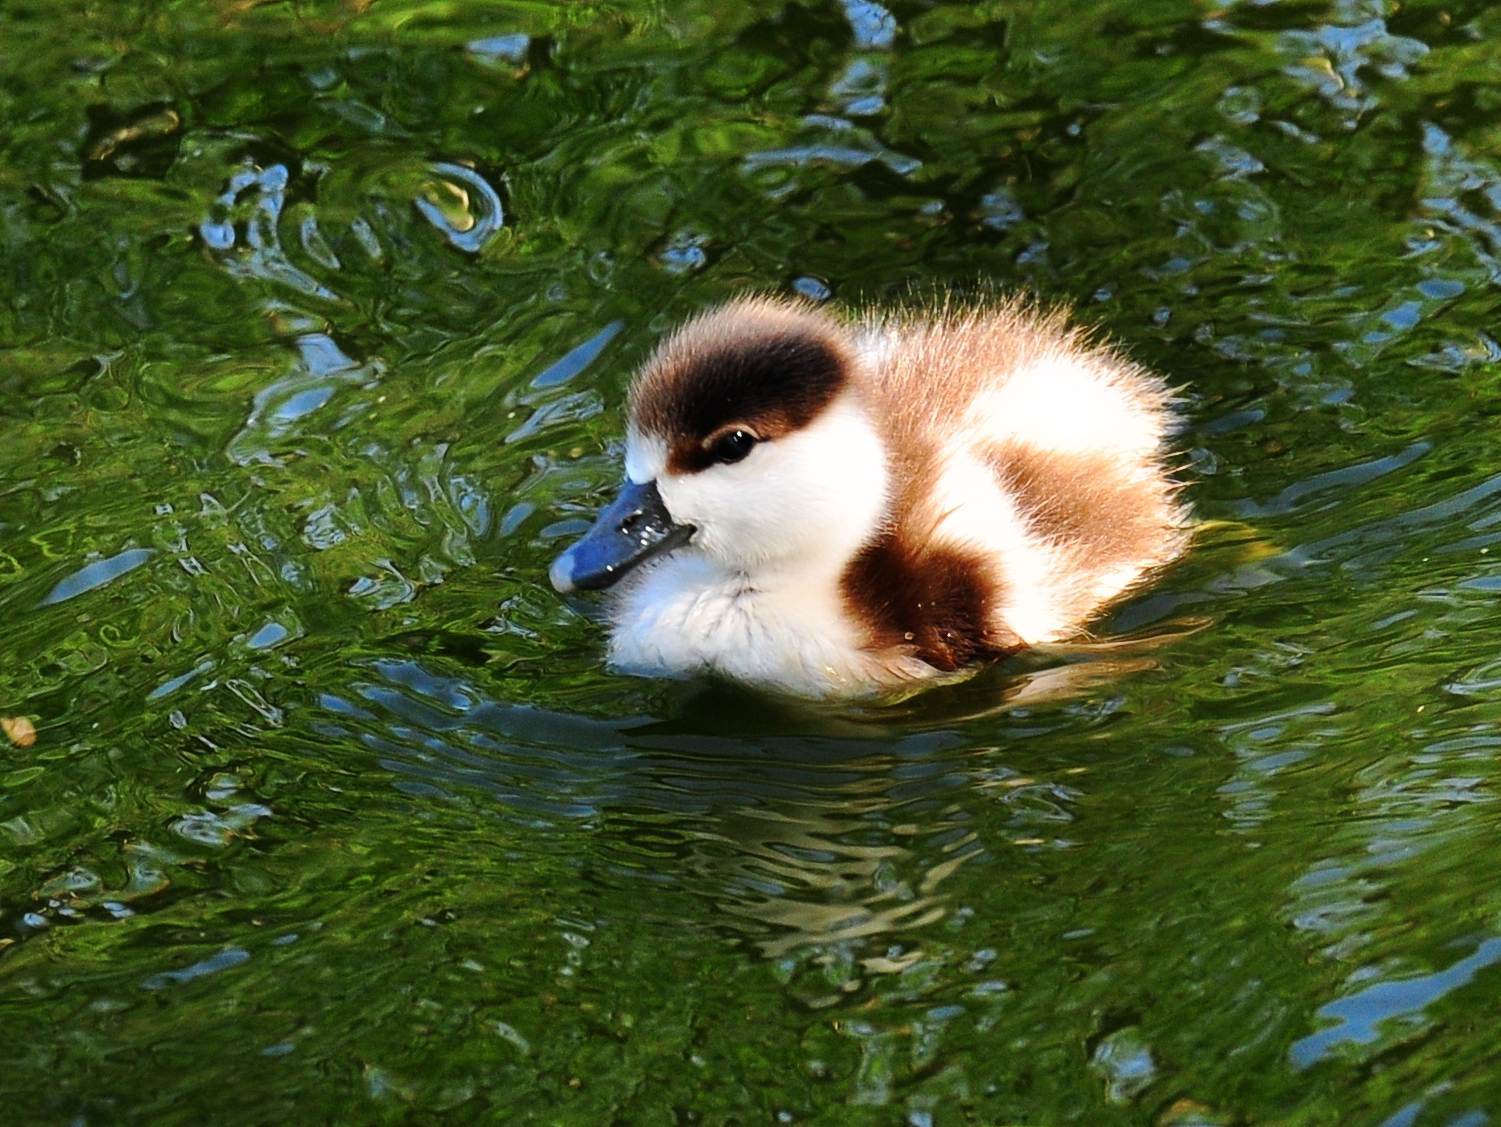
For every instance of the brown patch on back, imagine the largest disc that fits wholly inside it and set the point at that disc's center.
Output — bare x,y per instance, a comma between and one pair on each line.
1084,503
932,602
770,367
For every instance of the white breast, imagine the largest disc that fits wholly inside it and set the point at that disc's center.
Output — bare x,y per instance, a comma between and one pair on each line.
686,615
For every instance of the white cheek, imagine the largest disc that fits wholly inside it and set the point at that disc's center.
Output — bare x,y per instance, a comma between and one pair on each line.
809,499
731,506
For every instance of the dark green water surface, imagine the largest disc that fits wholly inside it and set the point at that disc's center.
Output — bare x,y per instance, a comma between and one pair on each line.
316,322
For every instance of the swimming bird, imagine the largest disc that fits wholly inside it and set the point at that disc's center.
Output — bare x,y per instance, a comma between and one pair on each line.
857,507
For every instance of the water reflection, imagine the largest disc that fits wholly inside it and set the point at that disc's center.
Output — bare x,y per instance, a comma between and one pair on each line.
279,408
801,841
809,832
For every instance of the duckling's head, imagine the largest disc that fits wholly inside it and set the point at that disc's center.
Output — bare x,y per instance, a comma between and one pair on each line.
749,442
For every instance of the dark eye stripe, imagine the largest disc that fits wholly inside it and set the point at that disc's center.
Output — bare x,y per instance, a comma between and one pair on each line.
792,374
770,372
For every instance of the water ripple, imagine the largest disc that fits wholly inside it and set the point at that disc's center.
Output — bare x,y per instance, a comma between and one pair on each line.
461,204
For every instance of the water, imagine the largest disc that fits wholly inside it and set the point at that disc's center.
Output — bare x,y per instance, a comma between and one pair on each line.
317,321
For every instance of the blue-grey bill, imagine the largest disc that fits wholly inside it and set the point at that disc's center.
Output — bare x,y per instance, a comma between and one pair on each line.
628,531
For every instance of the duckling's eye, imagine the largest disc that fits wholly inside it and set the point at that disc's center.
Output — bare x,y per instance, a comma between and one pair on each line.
733,447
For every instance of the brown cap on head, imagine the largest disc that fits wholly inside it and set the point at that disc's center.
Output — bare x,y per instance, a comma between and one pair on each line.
765,366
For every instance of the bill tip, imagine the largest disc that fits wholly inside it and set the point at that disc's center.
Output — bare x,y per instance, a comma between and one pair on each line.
561,573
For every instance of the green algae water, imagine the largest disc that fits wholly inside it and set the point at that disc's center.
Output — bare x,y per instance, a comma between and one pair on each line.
315,323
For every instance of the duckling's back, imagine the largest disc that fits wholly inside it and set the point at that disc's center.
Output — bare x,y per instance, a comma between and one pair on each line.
1030,484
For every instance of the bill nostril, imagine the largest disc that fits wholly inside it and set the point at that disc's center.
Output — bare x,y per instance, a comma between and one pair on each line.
631,521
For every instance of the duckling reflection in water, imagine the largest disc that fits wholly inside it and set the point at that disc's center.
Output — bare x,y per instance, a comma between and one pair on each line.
858,509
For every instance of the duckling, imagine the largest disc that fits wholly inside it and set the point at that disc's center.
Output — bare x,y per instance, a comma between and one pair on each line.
856,508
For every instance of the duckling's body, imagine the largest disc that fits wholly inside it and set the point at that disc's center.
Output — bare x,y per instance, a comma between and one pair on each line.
850,510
